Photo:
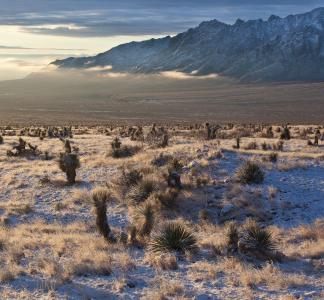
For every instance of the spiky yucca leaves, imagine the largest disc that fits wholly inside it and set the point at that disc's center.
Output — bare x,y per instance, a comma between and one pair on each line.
144,218
68,163
257,241
100,197
173,236
249,173
232,236
140,191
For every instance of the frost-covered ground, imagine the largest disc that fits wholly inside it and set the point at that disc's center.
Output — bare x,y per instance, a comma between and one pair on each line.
50,248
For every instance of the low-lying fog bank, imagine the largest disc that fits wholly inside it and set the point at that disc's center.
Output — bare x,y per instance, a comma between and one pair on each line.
100,96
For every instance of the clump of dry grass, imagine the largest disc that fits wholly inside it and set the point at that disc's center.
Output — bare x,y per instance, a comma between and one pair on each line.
249,173
166,199
164,261
165,289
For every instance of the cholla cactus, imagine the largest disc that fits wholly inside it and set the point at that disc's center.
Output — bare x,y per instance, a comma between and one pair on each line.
68,163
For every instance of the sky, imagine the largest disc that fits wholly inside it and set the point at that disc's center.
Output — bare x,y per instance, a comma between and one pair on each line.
36,32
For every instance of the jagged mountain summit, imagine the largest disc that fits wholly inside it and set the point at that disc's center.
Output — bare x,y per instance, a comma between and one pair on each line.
278,49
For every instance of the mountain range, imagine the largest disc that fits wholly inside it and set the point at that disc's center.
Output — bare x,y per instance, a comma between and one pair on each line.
277,49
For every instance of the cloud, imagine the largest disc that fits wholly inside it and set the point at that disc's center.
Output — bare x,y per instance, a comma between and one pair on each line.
100,18
3,47
184,76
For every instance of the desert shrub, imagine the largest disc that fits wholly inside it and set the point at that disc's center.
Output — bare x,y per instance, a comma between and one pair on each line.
202,181
285,135
252,146
144,218
268,133
175,165
232,236
167,198
204,215
129,178
120,151
173,177
100,196
256,240
273,157
278,146
265,146
249,173
161,160
140,191
173,236
158,137
68,163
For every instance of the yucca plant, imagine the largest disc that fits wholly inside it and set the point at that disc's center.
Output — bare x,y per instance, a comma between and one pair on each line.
144,218
173,236
141,191
100,197
68,163
249,173
257,240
